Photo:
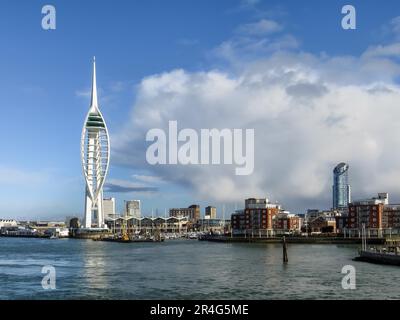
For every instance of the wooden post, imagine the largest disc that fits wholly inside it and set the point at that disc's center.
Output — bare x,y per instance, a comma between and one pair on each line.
285,257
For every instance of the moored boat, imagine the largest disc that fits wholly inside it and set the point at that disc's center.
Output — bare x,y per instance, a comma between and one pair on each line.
388,254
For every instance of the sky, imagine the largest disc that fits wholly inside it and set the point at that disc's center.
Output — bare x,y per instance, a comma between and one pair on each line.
314,93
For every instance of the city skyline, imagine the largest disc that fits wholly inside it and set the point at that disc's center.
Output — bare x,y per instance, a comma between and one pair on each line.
210,75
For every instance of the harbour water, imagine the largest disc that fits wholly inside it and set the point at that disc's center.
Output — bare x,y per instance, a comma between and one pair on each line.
187,269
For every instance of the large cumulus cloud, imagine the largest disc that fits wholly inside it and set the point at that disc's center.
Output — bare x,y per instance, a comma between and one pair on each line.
309,112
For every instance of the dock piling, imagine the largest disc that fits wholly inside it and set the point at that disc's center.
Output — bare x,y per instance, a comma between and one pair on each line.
285,257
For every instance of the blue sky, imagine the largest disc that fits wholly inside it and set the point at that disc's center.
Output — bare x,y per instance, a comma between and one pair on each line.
45,77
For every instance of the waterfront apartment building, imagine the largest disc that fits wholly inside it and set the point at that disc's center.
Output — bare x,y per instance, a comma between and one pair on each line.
109,207
259,213
238,220
210,213
256,217
379,216
341,192
287,222
391,217
192,213
369,212
132,208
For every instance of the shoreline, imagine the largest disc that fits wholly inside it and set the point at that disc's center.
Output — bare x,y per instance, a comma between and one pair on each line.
292,240
227,239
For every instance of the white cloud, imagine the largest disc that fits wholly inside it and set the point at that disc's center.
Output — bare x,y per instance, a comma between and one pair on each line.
395,26
390,50
125,186
148,179
309,112
262,27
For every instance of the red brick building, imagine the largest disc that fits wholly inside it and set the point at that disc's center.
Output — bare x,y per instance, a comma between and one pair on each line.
286,222
257,217
237,220
391,216
369,214
375,214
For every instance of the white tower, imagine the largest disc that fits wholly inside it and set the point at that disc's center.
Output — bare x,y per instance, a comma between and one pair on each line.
95,156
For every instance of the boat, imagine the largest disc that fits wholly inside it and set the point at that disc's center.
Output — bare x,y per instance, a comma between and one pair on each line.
127,240
126,236
193,235
380,256
388,254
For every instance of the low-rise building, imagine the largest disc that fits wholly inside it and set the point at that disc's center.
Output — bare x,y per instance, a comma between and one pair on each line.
286,222
216,226
322,224
8,223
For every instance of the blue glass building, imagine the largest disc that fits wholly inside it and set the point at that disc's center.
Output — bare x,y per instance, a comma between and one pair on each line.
341,188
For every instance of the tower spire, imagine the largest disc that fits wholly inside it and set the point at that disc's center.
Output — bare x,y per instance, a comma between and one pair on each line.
93,102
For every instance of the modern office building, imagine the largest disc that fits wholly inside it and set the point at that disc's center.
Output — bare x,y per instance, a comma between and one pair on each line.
192,212
132,209
210,212
341,187
95,156
109,207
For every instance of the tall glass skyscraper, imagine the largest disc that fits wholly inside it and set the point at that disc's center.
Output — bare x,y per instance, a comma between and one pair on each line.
341,188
